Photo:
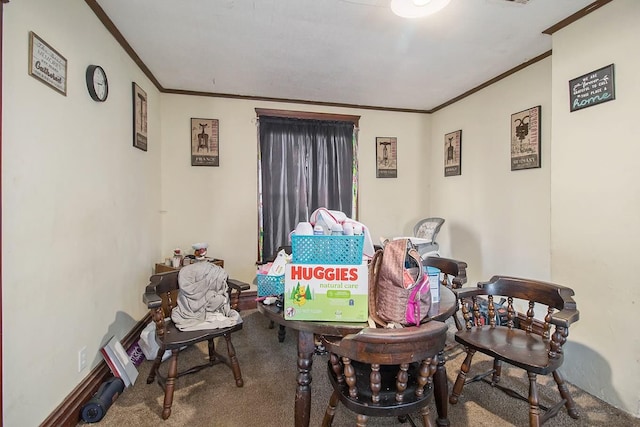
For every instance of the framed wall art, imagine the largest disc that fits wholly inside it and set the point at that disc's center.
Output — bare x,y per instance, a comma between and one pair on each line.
453,153
386,157
525,139
139,117
46,64
592,88
204,142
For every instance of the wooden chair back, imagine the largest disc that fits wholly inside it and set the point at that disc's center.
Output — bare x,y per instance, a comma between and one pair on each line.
161,297
524,323
384,372
455,275
452,268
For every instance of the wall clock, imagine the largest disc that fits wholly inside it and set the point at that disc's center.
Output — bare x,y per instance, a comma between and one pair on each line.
97,84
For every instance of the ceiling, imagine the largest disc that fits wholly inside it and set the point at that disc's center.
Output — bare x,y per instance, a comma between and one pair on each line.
335,52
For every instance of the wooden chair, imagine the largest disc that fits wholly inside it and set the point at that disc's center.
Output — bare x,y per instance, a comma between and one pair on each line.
522,340
161,297
384,372
454,269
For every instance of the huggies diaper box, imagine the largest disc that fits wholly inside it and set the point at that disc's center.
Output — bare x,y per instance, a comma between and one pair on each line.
326,292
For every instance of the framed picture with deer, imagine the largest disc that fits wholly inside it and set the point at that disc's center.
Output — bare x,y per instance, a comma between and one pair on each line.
204,142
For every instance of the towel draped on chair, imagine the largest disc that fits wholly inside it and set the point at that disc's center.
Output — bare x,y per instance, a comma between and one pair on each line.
203,299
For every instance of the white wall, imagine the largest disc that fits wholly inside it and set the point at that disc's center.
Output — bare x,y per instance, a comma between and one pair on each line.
497,220
86,215
219,204
595,200
80,223
575,220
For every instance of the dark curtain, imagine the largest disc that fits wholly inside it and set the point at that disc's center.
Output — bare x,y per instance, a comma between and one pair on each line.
305,165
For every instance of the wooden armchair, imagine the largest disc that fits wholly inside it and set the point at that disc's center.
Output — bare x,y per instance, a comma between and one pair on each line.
384,372
161,297
521,340
454,269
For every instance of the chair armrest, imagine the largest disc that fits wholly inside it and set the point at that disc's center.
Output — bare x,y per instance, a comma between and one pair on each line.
238,285
565,317
151,299
468,292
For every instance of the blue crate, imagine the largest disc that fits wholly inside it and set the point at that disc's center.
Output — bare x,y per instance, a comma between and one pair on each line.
327,249
270,285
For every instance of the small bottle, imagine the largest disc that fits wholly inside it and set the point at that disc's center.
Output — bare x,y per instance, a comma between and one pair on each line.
336,230
347,229
318,230
357,229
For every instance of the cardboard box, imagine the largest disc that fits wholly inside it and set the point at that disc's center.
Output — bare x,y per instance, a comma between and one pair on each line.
434,283
336,293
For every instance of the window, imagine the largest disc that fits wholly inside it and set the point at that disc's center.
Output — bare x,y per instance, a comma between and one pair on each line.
306,161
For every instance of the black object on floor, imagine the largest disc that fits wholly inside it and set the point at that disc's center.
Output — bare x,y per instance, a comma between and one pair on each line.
97,407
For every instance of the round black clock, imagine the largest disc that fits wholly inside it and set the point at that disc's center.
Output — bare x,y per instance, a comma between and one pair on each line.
97,84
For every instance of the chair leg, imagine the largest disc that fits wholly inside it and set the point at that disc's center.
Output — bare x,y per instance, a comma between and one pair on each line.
282,333
457,321
211,345
497,371
156,365
564,392
327,421
534,407
361,420
462,377
427,421
170,385
235,365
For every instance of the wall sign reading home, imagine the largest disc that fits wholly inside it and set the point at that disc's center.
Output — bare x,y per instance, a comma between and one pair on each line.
592,88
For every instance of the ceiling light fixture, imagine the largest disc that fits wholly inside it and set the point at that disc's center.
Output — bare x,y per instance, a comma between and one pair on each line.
417,8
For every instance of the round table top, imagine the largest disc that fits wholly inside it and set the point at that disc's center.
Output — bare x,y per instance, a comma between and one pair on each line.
439,311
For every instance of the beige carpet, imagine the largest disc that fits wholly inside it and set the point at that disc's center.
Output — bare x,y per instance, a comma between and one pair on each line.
210,397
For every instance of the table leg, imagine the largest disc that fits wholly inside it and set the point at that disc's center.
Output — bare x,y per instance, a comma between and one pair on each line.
306,346
441,391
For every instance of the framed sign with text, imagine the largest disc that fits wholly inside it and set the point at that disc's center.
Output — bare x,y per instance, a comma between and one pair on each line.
386,157
46,64
139,117
453,153
592,88
525,139
204,142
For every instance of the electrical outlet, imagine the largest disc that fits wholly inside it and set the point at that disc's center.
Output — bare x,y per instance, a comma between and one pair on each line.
82,359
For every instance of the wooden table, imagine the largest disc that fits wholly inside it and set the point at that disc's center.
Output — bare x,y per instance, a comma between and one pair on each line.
161,268
306,346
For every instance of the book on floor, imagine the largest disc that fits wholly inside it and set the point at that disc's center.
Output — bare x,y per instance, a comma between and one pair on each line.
119,362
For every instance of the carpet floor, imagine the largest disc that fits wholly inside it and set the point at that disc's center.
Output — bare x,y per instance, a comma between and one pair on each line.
269,370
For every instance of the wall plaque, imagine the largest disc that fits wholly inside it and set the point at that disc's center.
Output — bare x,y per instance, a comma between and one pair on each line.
46,64
592,88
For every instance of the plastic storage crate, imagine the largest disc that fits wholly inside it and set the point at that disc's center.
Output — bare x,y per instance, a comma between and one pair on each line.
270,285
327,249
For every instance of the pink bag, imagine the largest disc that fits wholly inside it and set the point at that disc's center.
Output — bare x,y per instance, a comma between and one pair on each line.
399,293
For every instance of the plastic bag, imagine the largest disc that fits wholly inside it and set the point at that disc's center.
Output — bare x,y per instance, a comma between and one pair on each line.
149,345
